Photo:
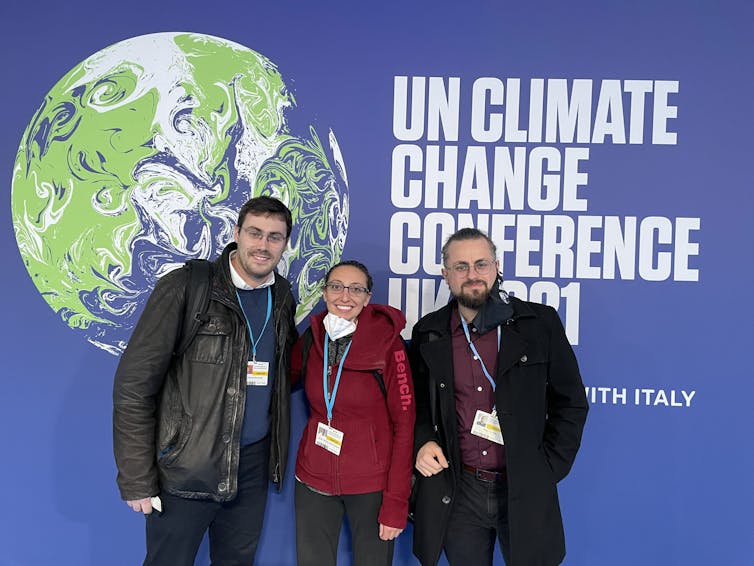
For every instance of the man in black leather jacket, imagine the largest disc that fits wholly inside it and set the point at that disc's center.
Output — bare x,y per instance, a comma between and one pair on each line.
197,436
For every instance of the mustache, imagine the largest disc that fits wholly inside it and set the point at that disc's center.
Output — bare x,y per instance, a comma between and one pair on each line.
474,282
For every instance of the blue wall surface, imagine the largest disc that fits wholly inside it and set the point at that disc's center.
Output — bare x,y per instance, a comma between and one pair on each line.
628,208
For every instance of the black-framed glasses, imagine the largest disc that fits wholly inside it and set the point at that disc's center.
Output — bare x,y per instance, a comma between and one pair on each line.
353,290
482,267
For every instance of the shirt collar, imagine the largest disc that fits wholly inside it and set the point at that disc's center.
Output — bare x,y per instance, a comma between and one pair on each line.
239,282
455,321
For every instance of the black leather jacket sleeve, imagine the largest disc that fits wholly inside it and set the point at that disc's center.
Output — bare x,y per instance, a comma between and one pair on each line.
138,382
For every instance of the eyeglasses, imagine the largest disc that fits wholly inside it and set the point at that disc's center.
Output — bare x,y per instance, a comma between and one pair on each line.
482,267
353,290
272,237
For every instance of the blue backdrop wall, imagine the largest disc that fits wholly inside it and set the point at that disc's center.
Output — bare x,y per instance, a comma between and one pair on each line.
603,145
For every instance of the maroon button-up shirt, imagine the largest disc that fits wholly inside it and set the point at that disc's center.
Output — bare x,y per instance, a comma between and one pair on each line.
473,391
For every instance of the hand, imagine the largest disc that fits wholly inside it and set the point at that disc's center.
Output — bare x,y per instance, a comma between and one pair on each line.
141,505
430,460
389,533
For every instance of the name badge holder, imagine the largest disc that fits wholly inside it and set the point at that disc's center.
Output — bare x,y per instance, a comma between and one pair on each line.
487,426
257,373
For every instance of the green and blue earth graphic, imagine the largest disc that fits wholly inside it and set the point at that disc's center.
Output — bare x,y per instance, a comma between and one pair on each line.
140,158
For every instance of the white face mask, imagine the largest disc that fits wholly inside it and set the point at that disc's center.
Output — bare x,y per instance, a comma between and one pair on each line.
337,327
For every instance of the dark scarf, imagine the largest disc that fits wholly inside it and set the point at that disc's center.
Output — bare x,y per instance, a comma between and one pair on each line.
495,311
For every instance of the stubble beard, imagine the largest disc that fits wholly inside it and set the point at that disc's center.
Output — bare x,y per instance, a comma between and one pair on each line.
245,262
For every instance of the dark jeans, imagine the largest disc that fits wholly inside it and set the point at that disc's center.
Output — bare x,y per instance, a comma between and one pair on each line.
318,521
174,536
479,514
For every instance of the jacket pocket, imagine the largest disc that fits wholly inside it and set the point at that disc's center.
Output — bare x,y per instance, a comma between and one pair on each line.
550,473
360,454
175,446
373,442
530,372
210,344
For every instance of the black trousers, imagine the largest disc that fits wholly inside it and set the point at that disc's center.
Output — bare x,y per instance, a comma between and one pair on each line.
318,521
174,536
479,515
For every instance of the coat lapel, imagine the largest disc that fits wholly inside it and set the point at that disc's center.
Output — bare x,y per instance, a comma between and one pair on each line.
438,355
512,348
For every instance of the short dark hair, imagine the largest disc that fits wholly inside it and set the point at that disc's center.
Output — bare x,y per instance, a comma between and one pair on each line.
266,206
467,234
353,263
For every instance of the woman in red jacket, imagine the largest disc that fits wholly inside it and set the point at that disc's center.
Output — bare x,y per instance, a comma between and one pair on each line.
355,455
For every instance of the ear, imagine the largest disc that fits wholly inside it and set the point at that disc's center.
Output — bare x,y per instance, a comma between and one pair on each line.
445,275
236,233
369,297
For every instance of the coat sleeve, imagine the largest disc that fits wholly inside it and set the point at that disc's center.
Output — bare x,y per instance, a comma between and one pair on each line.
424,430
401,406
567,405
292,331
296,363
137,385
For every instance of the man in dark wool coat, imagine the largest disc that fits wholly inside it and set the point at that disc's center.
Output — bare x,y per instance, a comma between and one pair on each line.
500,408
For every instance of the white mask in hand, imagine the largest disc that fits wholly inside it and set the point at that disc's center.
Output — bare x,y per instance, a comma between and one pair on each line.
337,327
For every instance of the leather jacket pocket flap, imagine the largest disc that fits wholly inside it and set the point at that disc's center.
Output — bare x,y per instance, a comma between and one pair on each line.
211,341
216,325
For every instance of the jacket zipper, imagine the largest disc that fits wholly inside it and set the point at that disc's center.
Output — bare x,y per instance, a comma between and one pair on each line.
241,392
278,385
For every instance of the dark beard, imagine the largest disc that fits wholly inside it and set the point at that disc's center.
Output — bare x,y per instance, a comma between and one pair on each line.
474,302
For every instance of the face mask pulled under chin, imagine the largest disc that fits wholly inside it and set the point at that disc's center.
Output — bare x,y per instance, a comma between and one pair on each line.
337,327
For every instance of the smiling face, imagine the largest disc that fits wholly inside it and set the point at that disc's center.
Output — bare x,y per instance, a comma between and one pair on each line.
346,304
261,241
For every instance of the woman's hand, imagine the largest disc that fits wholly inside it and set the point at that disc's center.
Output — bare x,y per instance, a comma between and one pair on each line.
389,533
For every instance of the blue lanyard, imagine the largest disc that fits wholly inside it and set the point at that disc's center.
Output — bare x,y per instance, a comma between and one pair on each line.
248,324
330,397
476,354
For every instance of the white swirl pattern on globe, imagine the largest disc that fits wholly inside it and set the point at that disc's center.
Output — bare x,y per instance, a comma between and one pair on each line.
140,157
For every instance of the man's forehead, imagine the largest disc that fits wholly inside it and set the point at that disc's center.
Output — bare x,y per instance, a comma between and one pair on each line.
265,221
469,250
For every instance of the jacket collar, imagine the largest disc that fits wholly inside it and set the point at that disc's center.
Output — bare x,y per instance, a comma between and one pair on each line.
376,331
439,321
437,351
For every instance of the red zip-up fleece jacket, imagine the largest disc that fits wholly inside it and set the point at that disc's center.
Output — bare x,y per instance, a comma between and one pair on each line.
377,450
